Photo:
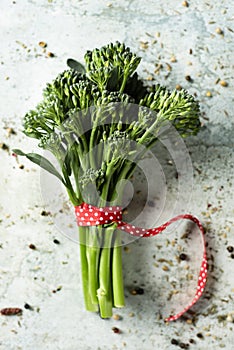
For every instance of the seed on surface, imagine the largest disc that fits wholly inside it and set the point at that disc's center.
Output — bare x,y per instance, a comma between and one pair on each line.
208,93
178,87
42,44
50,54
219,31
137,290
117,317
10,131
27,306
116,330
183,256
56,241
230,249
223,83
4,147
185,4
232,255
188,78
200,335
174,342
11,311
32,246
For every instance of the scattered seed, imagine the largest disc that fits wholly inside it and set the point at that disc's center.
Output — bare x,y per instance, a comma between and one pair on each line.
183,256
192,341
219,31
178,87
230,318
144,44
173,59
208,94
28,307
200,335
50,54
32,246
169,68
188,78
131,314
165,268
223,83
4,147
150,78
137,291
116,330
232,255
174,342
45,213
21,166
184,346
185,4
42,44
127,249
56,241
190,51
151,204
11,311
117,317
230,249
10,131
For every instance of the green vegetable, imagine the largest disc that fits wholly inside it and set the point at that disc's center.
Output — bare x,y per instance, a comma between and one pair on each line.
99,121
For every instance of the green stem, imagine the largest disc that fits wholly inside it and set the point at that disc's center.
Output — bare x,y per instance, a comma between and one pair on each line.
90,306
105,286
117,272
92,254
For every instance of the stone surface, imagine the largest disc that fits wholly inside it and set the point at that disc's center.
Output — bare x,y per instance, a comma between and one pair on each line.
157,31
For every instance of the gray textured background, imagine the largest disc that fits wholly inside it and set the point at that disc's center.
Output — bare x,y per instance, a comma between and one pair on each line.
200,37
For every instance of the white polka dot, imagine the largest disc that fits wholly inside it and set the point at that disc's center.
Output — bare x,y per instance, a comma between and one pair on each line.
91,219
100,209
137,231
111,218
81,210
106,221
90,210
97,222
88,223
95,214
101,218
110,208
106,213
86,214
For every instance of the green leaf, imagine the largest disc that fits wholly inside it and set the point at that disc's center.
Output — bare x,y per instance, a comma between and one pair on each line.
75,65
41,161
18,152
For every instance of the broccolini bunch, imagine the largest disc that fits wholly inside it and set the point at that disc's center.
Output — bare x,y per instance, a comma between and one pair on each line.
98,120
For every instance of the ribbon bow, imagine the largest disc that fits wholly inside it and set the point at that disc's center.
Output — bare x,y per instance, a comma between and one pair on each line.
89,215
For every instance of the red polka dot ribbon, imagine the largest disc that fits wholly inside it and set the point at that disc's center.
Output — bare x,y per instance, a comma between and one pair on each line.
89,215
